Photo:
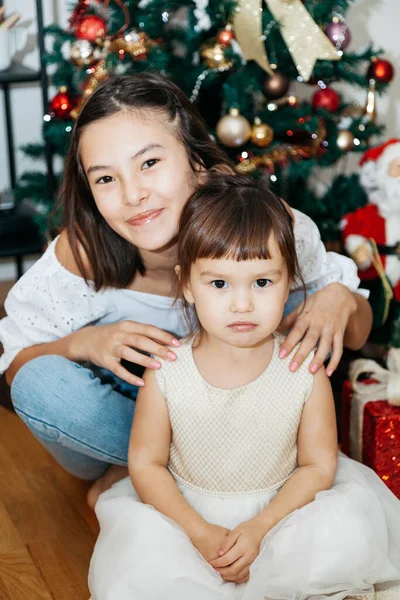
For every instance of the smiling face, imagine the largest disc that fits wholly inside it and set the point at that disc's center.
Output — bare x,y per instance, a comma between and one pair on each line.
239,303
139,175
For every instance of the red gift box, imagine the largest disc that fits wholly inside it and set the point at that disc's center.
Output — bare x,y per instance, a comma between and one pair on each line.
380,437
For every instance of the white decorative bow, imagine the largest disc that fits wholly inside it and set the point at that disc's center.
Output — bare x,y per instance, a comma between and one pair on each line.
305,40
387,387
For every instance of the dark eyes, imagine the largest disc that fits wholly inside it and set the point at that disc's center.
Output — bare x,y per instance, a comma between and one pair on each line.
262,283
150,163
219,284
105,179
145,166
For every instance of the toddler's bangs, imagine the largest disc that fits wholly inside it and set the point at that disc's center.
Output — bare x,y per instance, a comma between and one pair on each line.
236,235
235,218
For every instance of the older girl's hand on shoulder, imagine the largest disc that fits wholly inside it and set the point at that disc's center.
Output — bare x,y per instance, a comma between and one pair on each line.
330,318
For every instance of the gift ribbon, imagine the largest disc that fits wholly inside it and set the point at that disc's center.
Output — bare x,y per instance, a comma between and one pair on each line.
387,288
387,387
305,40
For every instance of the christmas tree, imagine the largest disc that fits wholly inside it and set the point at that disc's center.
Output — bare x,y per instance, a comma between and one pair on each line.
238,61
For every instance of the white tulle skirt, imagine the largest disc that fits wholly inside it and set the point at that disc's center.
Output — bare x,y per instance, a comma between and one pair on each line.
345,543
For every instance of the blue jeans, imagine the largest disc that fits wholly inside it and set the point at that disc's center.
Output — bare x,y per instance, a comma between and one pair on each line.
82,415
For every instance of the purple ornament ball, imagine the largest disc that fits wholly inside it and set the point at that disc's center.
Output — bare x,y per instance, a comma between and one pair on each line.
339,34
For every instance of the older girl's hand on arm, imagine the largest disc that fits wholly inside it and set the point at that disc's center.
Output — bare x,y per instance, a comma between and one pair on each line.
50,311
317,461
333,317
106,345
147,461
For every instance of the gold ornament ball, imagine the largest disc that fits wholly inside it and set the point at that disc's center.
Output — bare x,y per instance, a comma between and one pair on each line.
83,53
233,129
213,55
345,140
261,134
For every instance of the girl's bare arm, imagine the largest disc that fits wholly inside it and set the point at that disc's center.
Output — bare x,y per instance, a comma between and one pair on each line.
148,459
317,456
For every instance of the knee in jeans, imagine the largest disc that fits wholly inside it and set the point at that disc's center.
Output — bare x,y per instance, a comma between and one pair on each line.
42,387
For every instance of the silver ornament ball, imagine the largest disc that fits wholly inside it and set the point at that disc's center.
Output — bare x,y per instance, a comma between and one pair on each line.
84,54
345,140
233,130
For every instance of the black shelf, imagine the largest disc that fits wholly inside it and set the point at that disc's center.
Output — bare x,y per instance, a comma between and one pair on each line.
18,74
19,233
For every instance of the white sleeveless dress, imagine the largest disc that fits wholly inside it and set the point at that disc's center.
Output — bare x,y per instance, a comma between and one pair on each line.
231,451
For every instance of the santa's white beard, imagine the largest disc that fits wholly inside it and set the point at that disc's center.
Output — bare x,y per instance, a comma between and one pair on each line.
387,197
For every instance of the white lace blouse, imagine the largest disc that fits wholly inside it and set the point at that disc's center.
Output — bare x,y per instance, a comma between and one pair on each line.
49,302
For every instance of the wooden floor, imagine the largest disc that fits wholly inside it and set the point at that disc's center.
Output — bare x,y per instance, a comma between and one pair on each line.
47,532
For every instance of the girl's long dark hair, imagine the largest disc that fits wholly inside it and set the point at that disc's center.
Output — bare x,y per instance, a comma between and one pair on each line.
113,261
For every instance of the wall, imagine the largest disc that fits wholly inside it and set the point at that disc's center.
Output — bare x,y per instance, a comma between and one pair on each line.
26,100
367,19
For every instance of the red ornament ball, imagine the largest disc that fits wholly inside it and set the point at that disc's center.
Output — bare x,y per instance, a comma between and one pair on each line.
327,99
62,104
225,36
381,70
90,28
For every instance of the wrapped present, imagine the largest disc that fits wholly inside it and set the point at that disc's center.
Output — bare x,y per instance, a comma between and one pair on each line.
371,417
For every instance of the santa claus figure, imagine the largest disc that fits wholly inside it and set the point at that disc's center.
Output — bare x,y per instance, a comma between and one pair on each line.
371,234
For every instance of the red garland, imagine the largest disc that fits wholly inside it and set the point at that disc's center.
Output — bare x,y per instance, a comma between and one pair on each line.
79,11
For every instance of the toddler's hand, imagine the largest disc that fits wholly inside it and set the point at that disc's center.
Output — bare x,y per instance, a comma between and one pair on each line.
210,540
239,550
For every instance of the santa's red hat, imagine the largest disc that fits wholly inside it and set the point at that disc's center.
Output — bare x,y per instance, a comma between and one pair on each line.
377,151
375,161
